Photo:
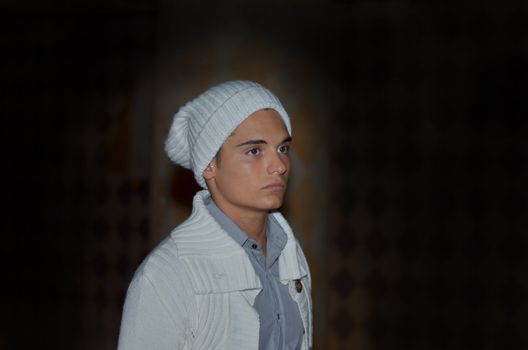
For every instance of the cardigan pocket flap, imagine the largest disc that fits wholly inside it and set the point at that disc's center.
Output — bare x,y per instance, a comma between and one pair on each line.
289,266
221,274
300,292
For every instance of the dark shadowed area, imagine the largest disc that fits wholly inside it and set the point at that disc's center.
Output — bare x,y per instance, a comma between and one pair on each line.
412,118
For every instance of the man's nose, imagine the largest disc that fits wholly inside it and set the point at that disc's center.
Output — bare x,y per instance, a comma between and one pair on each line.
277,164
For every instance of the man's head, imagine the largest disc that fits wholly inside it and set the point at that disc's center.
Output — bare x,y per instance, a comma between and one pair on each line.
201,127
251,170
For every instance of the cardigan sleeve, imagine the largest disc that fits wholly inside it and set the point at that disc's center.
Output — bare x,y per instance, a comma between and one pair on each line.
149,320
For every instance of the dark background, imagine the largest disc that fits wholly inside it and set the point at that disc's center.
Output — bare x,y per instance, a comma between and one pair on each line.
427,154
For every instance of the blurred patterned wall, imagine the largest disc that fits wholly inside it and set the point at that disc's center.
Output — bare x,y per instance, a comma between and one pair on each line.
429,161
77,101
410,155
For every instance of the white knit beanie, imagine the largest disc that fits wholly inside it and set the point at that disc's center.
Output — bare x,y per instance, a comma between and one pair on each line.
202,125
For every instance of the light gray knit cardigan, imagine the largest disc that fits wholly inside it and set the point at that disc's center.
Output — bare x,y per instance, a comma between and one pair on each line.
197,288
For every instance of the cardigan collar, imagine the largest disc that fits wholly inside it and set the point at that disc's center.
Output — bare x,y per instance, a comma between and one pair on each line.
216,263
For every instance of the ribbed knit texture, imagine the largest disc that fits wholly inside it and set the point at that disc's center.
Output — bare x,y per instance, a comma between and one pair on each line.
197,288
201,126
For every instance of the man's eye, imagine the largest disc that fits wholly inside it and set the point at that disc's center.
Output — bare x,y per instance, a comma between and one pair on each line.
253,151
284,149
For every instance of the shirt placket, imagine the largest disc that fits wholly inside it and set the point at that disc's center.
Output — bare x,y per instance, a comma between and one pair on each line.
273,290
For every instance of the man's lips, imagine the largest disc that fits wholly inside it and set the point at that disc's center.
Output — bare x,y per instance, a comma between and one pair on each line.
276,186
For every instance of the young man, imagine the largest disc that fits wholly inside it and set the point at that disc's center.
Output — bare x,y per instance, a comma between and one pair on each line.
232,276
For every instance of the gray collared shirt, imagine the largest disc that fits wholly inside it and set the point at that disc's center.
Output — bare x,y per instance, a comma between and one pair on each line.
280,320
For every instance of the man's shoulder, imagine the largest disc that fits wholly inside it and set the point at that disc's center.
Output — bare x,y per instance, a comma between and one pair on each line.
162,260
191,236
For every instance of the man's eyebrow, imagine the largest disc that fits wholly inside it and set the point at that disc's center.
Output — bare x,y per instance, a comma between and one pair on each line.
260,142
252,142
288,139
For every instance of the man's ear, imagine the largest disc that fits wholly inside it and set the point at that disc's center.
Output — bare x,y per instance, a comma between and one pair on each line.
210,171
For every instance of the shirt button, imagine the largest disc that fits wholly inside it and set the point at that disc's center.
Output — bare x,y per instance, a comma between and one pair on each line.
254,246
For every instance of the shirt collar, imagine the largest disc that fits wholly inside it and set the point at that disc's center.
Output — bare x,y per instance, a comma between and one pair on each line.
226,223
275,234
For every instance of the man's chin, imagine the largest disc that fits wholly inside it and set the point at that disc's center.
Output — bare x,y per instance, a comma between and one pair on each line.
274,204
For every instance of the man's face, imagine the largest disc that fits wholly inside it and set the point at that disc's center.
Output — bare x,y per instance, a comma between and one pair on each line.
254,166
